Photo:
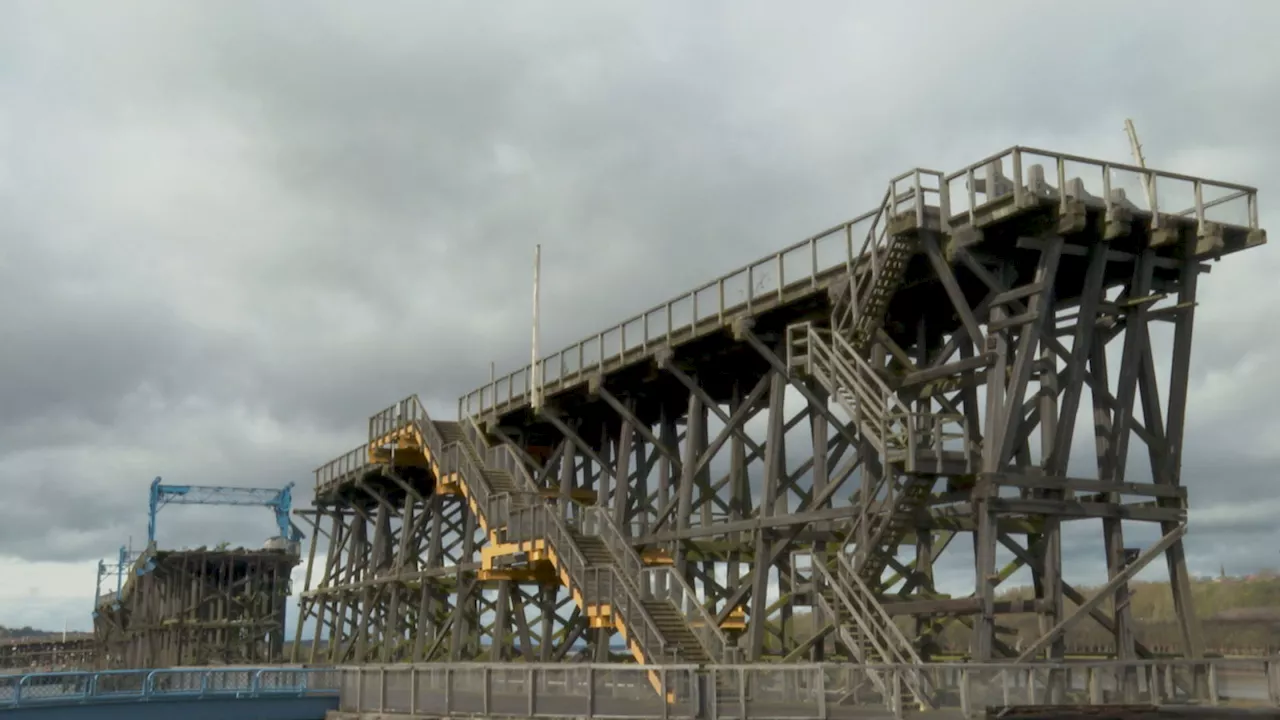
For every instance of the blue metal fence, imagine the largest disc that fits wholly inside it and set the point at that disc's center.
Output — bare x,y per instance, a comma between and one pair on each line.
171,684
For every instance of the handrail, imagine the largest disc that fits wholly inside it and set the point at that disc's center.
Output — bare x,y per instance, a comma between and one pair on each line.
871,401
634,574
606,582
404,413
341,466
457,458
540,520
705,627
188,683
500,455
864,370
871,391
659,323
664,315
872,609
597,523
858,650
876,625
873,397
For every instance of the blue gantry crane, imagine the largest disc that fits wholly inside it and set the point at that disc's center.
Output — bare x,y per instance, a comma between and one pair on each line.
279,500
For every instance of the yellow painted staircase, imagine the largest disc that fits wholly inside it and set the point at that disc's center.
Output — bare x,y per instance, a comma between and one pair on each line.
650,606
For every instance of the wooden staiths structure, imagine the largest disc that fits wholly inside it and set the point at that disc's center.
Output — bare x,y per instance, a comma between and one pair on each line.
773,465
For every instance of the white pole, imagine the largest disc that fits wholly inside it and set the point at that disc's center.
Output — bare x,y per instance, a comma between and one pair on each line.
535,372
1136,148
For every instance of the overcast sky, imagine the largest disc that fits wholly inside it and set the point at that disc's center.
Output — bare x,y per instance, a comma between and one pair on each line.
227,234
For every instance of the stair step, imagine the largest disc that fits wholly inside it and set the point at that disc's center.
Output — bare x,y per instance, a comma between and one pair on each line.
449,431
675,631
671,624
594,550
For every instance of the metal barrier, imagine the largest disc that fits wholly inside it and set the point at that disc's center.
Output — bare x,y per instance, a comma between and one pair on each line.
795,692
148,685
523,690
342,467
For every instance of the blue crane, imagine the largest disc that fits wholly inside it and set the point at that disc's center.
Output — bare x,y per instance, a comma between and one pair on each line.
279,500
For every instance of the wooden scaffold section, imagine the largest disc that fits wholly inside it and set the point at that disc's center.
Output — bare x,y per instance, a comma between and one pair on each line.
197,607
395,565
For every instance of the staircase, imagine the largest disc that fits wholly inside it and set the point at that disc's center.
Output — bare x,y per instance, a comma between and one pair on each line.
689,629
875,292
886,530
909,443
869,632
654,610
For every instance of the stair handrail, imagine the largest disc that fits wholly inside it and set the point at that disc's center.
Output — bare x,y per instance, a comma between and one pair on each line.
458,459
872,607
877,231
876,624
865,386
905,653
425,425
873,235
401,414
632,571
870,392
888,395
704,625
870,403
500,455
630,607
866,383
597,523
874,674
634,614
545,522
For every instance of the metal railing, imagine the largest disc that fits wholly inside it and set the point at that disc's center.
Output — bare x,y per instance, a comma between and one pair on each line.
460,459
522,515
597,523
882,417
961,198
342,467
794,692
542,521
874,622
406,413
664,583
597,585
523,690
141,685
853,383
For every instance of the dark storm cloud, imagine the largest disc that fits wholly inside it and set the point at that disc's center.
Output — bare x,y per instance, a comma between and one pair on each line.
229,234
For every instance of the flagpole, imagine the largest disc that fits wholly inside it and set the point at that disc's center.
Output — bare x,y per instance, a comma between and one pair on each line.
535,371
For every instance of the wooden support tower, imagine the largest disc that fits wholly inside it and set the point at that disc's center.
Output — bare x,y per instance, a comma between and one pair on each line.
74,651
196,607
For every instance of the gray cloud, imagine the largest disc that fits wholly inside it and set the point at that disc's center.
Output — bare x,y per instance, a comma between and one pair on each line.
228,234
